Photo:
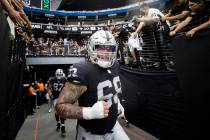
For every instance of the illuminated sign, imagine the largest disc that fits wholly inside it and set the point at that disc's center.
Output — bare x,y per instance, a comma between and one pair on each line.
85,30
46,4
36,26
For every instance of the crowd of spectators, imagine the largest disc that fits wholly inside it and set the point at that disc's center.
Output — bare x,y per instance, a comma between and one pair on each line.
185,17
196,17
54,47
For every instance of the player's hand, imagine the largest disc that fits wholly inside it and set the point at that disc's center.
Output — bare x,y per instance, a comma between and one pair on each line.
98,111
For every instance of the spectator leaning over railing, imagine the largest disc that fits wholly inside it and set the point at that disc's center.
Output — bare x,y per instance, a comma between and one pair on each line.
197,16
16,13
18,21
178,13
152,16
201,26
18,5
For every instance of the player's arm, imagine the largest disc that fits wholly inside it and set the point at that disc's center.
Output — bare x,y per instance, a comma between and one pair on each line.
69,95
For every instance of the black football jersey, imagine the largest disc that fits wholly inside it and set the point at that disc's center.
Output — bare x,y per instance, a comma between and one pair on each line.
102,84
57,86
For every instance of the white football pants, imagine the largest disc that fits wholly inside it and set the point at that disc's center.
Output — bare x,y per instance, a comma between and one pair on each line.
118,134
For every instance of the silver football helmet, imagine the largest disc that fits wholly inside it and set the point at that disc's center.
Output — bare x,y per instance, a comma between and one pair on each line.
59,74
102,49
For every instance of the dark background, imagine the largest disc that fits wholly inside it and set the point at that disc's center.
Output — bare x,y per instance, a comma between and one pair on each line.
76,5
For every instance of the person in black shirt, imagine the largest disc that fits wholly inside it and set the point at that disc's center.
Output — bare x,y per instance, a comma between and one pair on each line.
202,26
197,16
96,85
179,12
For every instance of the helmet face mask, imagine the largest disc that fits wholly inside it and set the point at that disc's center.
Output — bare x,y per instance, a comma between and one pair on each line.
59,74
102,49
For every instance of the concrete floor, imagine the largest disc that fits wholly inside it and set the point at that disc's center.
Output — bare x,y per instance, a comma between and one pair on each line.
42,126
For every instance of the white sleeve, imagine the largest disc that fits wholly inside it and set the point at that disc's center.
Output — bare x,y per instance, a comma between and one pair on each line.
154,13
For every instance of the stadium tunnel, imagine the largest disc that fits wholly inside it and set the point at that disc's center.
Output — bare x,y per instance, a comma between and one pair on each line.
166,102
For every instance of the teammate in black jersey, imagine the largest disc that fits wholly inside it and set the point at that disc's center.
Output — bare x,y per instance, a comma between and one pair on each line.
95,84
55,86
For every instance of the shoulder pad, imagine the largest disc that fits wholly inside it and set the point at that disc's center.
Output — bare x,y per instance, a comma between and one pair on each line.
76,75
